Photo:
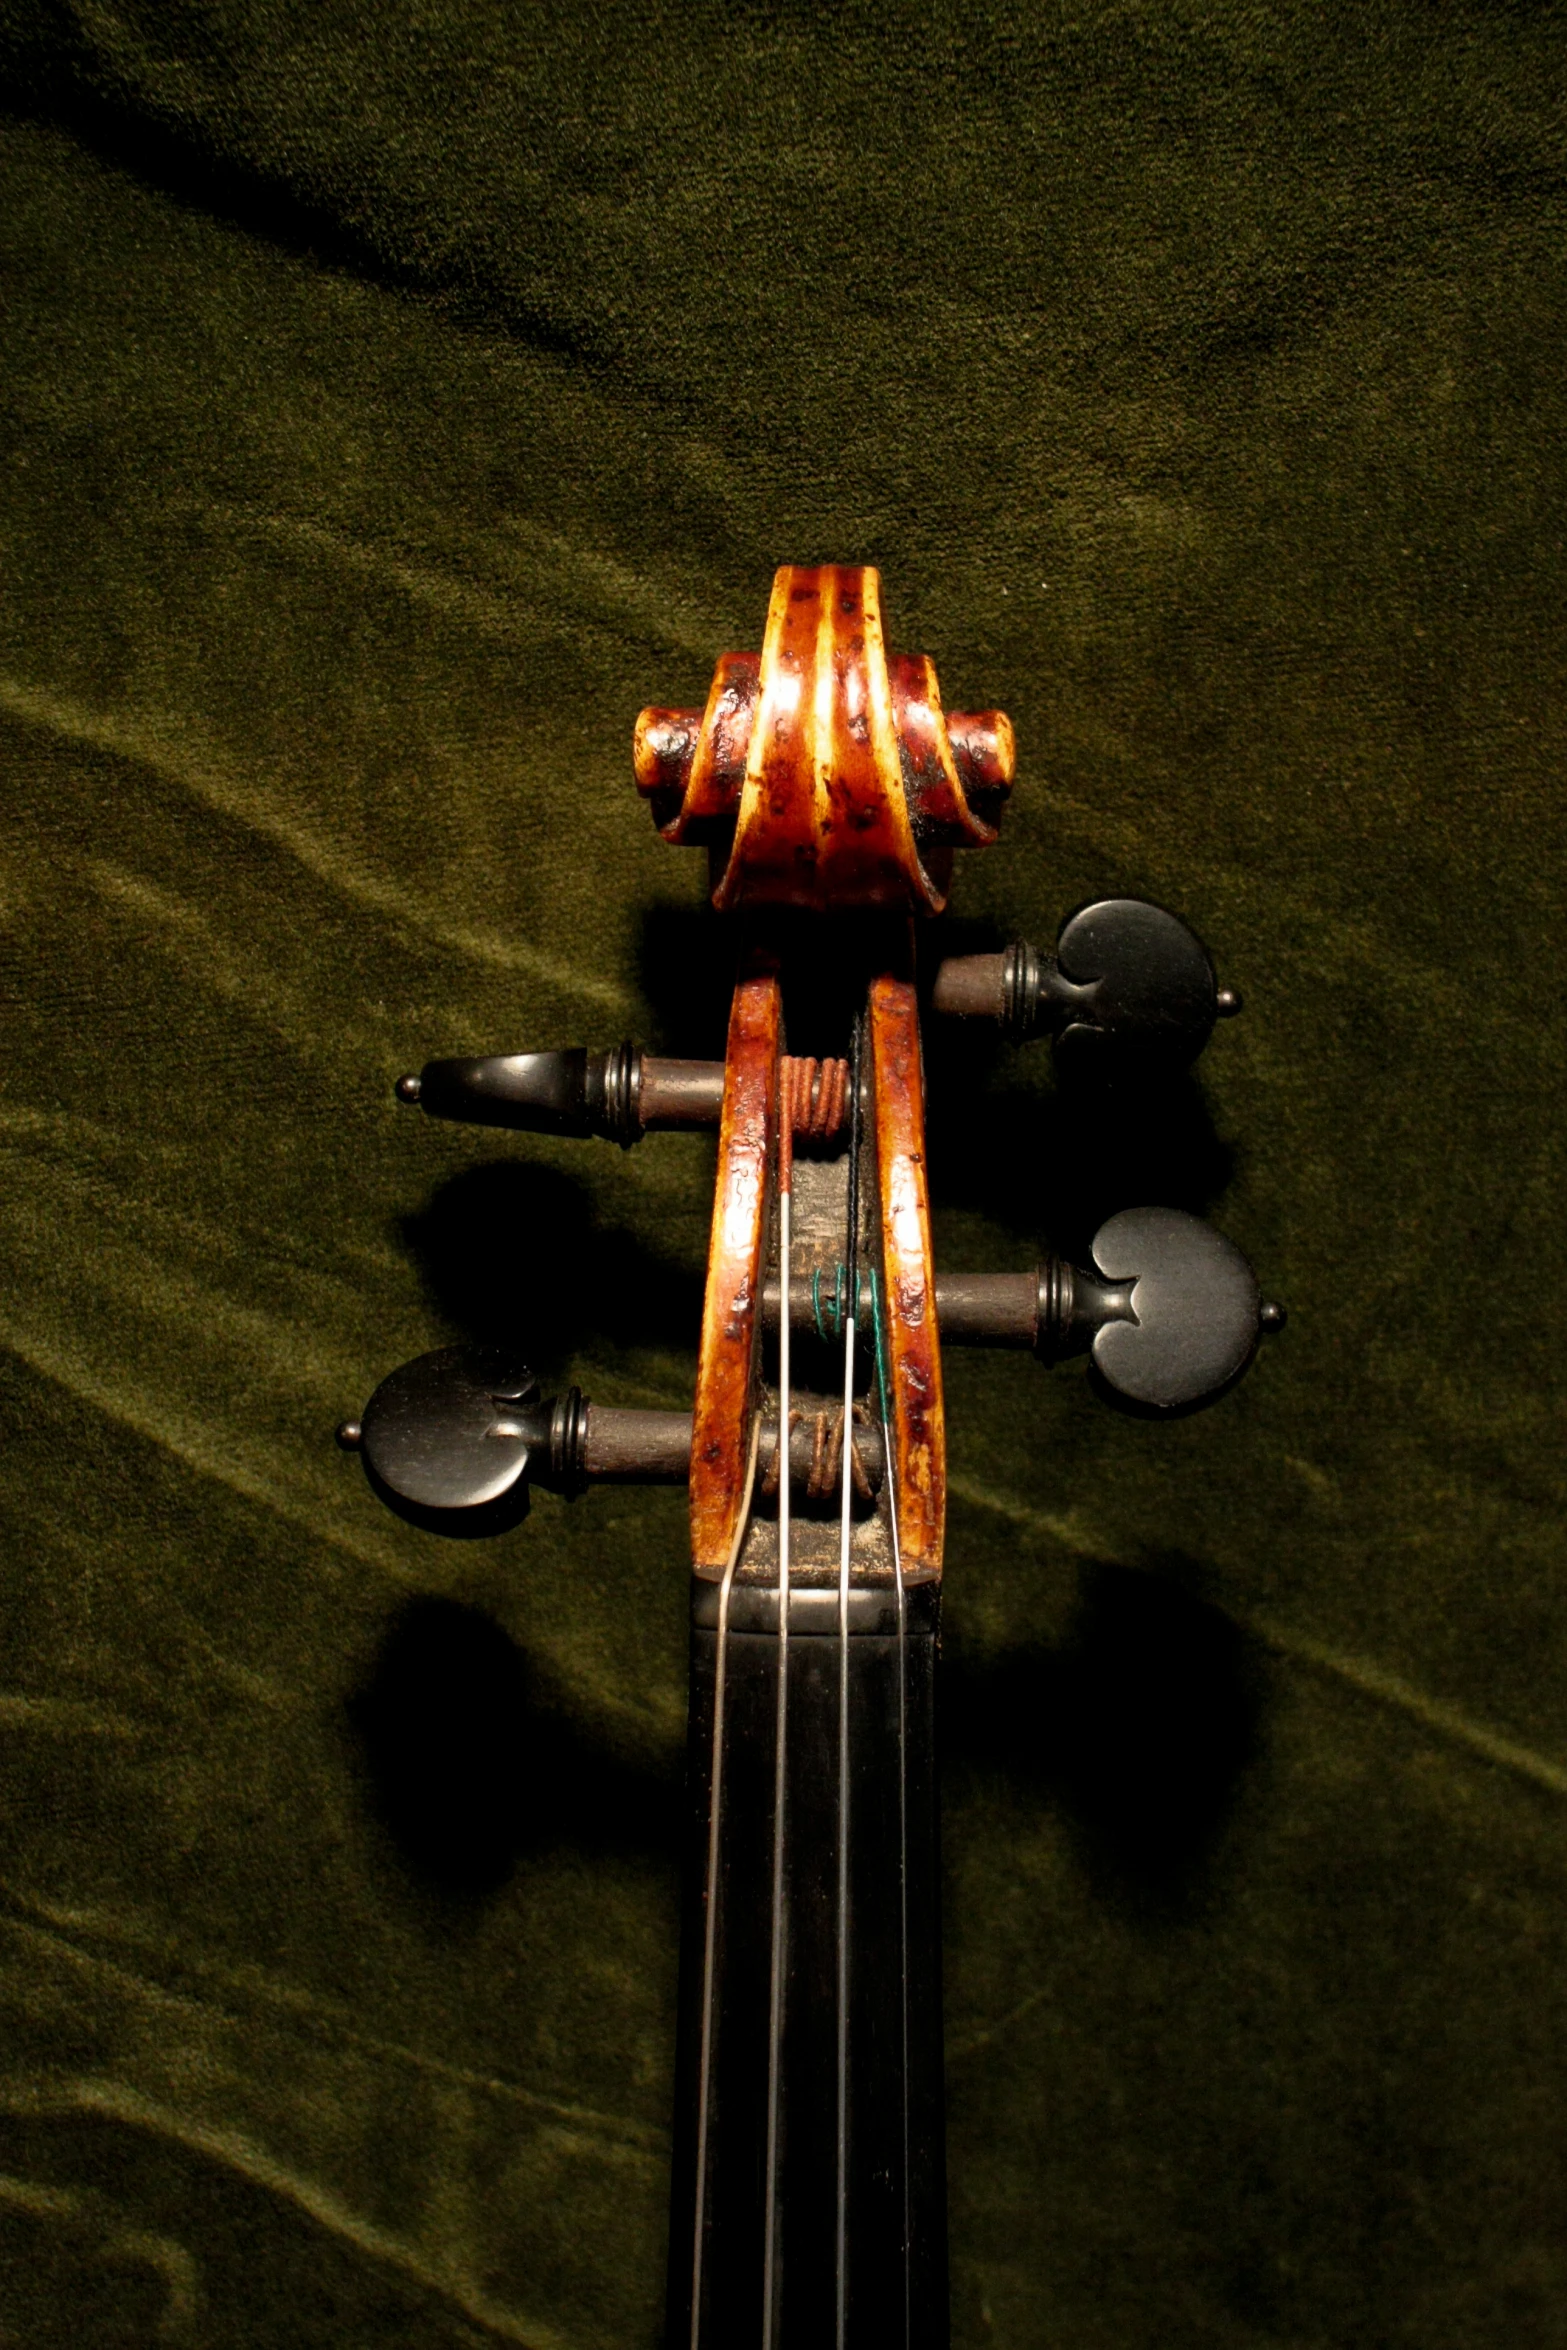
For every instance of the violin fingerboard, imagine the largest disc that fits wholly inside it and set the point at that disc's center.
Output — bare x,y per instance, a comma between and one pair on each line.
893,2219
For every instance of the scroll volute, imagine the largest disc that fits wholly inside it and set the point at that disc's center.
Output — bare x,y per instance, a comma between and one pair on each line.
826,769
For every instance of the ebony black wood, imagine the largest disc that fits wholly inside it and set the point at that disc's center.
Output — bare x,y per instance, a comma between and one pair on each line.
895,2214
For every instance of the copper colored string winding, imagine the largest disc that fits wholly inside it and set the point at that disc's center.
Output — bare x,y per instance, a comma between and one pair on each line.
862,1483
816,1093
815,1485
826,1464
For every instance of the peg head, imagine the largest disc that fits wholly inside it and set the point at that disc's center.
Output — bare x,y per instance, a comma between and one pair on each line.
1133,992
564,1092
443,1433
1192,1311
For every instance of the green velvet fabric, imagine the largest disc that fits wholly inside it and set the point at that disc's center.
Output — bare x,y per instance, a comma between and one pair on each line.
396,399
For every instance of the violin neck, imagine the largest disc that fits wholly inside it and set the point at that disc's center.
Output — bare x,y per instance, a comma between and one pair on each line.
809,2203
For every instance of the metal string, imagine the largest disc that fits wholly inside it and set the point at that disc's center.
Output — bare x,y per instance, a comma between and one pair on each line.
776,1983
879,1321
710,1928
849,1323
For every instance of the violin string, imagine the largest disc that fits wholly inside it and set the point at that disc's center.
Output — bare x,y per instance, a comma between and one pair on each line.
710,1922
776,1983
850,1321
878,1319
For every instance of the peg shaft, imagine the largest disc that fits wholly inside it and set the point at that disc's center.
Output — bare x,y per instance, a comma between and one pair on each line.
1054,1309
643,1448
1168,1308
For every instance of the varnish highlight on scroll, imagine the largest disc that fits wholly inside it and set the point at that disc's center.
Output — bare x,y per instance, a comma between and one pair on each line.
824,817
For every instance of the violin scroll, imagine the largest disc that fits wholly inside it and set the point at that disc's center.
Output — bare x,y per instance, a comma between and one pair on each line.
824,776
823,773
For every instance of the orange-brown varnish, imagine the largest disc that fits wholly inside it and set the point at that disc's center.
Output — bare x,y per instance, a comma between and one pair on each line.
908,1275
691,763
731,1311
829,769
958,770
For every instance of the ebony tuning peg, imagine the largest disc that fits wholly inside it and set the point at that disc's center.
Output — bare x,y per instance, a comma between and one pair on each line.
465,1431
1129,991
1168,1308
1170,1311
